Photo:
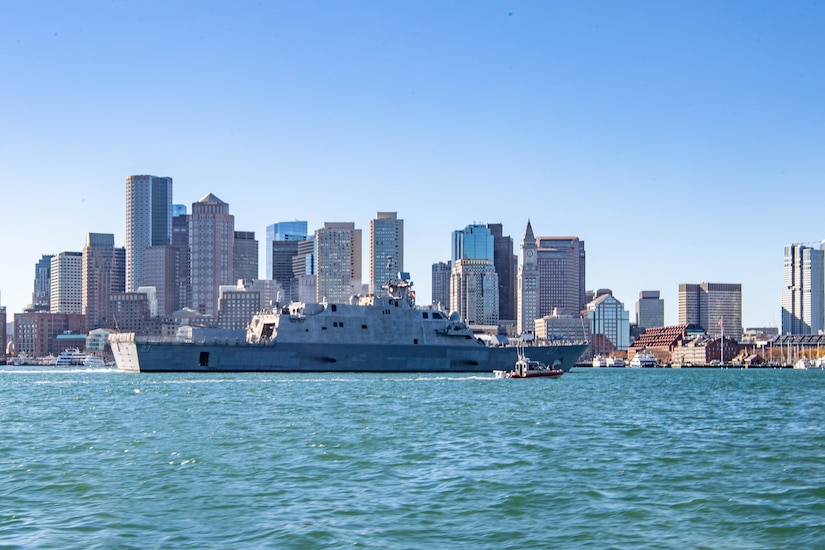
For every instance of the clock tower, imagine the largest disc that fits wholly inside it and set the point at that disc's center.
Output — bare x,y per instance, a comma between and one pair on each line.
528,284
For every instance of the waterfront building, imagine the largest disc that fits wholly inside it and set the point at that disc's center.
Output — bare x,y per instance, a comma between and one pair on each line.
705,350
36,333
41,300
660,341
562,326
100,277
386,250
66,294
338,257
441,284
161,273
212,245
148,221
282,231
650,310
561,270
607,316
527,297
506,266
180,241
803,298
716,307
246,256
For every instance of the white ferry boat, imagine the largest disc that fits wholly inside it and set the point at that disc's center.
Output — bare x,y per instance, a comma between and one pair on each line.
73,357
643,359
614,362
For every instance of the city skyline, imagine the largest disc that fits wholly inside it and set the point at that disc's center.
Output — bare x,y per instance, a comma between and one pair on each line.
666,137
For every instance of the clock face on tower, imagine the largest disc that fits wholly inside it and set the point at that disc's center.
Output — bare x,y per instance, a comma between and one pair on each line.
529,253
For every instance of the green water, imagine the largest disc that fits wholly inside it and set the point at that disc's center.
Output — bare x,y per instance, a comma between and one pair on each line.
607,458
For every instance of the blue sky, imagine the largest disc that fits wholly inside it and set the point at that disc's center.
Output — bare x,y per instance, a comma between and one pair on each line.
682,141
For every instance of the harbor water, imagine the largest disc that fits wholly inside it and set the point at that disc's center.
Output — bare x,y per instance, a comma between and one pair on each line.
599,458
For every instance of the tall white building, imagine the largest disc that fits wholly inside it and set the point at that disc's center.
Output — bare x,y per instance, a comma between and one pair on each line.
148,222
386,249
803,298
527,297
338,262
212,246
66,293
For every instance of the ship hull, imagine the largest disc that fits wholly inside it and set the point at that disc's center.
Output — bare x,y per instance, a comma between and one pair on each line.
135,356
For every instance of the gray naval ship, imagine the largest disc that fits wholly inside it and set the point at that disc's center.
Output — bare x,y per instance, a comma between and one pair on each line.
385,333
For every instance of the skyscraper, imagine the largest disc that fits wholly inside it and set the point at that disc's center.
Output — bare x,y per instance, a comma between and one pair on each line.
803,298
161,273
716,307
474,291
99,278
42,283
304,280
441,283
650,310
561,266
474,242
386,249
66,293
3,342
506,265
282,231
148,221
338,261
527,306
180,241
474,288
246,256
212,240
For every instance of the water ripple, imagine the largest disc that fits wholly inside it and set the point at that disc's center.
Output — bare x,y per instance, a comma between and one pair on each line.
612,458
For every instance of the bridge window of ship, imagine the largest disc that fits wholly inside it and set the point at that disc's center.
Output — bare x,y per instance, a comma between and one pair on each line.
334,307
363,326
426,315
